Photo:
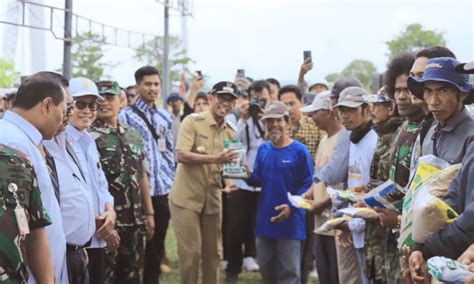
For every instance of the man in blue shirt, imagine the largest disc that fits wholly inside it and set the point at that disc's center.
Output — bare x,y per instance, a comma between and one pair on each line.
282,166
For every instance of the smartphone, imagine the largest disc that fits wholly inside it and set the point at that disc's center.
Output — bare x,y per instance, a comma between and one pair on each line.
240,72
306,55
198,74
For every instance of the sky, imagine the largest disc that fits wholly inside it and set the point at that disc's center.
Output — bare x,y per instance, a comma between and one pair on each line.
267,37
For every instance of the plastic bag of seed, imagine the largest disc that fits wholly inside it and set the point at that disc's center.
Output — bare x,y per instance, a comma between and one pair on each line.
236,168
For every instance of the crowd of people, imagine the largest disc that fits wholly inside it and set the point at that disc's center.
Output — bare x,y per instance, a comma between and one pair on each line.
92,175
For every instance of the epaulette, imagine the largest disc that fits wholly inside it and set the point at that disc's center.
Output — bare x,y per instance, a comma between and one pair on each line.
197,116
231,125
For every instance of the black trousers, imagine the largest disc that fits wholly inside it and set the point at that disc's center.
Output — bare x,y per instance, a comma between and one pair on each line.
326,259
97,273
155,247
77,266
308,249
241,211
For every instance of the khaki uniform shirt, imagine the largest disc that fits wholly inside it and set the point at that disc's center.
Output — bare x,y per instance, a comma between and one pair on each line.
197,187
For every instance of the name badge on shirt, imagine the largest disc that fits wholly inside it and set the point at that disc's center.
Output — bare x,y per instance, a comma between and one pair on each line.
162,145
22,221
20,213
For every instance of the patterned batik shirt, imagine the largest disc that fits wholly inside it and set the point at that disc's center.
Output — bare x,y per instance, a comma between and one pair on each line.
122,159
307,133
16,172
161,167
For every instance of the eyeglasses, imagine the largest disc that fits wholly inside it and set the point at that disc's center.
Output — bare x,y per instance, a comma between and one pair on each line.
82,105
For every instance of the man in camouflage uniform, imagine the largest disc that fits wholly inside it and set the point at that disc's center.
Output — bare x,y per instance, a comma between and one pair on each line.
376,248
122,159
22,237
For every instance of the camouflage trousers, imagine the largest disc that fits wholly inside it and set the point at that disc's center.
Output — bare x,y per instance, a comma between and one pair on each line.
381,254
123,265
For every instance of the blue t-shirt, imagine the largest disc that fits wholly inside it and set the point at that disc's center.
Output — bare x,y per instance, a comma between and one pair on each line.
279,171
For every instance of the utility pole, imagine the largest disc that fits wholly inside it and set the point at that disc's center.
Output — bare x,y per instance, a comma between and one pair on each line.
166,67
68,39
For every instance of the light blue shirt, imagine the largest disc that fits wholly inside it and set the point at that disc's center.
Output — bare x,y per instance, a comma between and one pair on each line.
77,205
161,166
88,155
19,134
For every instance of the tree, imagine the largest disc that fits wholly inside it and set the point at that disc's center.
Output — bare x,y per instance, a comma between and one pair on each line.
152,52
8,75
415,38
331,78
87,56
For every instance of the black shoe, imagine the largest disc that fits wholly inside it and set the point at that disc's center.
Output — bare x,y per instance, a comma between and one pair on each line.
231,278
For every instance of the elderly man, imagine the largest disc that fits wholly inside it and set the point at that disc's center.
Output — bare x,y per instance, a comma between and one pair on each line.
283,165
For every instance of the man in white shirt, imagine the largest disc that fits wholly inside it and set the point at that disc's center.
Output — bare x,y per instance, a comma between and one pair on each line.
354,114
85,95
37,114
77,208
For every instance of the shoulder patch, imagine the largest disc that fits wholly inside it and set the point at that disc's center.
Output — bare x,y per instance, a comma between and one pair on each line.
232,126
197,116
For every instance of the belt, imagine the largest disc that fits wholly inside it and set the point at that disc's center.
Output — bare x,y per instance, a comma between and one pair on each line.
70,247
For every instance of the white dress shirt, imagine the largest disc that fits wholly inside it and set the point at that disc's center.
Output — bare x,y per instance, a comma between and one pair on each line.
88,155
77,205
255,141
19,134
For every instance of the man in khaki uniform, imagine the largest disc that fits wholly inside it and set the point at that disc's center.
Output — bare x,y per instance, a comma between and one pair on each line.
195,198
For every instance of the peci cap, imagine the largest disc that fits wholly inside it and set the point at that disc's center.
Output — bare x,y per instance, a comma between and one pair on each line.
343,83
321,101
225,87
108,87
352,97
440,69
275,109
173,97
308,98
79,87
465,68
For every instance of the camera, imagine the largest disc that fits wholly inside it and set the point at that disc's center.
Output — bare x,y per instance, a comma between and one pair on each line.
256,107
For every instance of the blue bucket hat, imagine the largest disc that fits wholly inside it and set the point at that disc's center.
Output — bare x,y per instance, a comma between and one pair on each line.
440,69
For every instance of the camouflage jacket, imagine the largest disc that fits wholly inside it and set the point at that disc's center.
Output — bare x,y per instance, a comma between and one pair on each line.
401,154
16,169
379,249
122,159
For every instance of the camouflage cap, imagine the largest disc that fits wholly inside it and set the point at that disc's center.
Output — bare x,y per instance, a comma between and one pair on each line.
108,87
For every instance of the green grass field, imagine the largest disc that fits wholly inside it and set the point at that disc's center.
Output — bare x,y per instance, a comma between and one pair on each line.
174,278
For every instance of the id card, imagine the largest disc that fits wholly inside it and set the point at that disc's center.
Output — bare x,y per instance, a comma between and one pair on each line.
162,145
22,221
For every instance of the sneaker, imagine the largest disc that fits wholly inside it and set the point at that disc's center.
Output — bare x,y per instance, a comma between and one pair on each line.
314,274
250,264
231,278
165,268
224,264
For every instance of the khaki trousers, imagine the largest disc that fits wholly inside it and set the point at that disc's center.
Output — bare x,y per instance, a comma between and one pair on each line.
348,265
199,239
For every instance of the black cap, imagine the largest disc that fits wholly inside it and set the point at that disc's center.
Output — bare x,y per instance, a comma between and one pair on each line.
465,68
343,83
174,97
225,87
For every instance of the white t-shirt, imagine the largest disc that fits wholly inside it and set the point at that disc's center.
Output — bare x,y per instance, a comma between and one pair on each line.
360,159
